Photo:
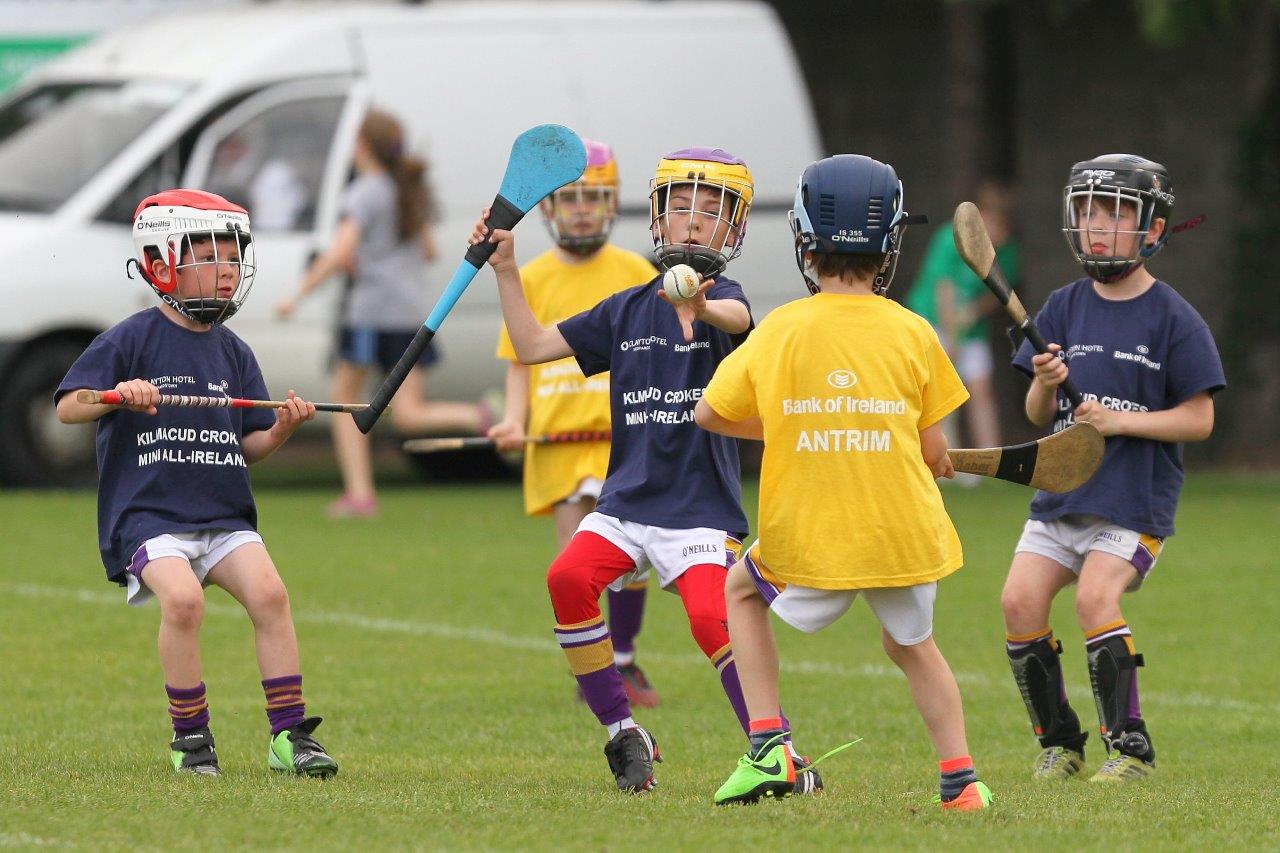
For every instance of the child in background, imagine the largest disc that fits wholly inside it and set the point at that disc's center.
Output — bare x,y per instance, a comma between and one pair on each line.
384,240
957,303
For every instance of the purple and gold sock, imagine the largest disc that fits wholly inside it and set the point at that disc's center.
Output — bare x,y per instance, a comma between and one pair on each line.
723,662
626,613
188,708
285,707
590,653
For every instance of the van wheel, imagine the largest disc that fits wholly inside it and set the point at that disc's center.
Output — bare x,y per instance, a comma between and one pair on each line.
479,464
36,449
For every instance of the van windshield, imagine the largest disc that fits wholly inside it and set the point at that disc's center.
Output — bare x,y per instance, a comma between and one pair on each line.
55,138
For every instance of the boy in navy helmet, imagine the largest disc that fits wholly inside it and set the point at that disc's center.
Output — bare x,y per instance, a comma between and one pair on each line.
1147,367
848,390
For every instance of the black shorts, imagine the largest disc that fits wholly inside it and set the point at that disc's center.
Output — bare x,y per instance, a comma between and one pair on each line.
367,347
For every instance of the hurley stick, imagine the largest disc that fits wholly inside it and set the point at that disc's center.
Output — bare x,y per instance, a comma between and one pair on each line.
1058,463
974,245
435,445
113,398
542,160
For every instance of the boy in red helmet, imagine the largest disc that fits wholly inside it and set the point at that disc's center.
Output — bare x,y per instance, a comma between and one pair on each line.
175,511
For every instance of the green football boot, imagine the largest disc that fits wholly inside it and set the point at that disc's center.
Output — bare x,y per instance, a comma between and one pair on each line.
770,773
1058,762
192,752
294,750
1124,763
1123,768
975,797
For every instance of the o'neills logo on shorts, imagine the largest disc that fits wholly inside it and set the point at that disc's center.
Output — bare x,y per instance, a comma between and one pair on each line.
690,550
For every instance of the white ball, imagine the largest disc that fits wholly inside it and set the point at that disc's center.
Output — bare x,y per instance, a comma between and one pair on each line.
681,283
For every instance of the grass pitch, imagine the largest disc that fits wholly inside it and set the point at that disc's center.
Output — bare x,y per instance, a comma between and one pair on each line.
426,642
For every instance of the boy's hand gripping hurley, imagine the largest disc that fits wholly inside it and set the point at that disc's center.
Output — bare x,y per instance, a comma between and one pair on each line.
543,159
1057,463
974,245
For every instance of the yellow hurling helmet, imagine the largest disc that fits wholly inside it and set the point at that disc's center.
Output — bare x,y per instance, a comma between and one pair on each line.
698,204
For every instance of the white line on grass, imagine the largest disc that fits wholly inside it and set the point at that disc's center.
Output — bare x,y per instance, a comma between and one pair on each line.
499,638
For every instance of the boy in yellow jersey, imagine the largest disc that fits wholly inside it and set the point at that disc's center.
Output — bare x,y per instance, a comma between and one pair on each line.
555,397
848,390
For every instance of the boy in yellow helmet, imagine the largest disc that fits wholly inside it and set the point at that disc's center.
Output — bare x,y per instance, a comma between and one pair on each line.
564,480
671,501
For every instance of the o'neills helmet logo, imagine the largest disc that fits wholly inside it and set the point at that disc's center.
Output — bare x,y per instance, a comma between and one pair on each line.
842,379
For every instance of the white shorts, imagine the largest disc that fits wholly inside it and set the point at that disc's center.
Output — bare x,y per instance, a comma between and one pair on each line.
202,549
588,489
905,612
670,552
1068,540
972,359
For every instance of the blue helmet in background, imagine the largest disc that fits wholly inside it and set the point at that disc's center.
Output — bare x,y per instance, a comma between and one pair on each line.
852,205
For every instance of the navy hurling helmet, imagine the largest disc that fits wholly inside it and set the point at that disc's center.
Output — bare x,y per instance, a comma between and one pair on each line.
849,204
1105,182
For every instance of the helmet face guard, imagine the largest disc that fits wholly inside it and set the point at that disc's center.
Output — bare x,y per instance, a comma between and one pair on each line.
580,216
850,205
1096,199
207,251
218,268
698,204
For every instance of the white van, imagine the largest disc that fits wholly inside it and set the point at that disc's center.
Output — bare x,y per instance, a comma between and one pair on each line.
224,98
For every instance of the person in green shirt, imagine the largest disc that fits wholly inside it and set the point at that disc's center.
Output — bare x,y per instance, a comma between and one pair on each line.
956,303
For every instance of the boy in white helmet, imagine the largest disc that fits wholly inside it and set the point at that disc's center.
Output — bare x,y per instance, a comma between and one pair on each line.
564,479
175,511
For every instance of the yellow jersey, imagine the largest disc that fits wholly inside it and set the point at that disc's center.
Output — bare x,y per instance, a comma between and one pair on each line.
561,399
843,385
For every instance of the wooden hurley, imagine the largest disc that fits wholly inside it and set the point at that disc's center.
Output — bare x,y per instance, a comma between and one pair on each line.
113,398
1059,463
975,249
436,445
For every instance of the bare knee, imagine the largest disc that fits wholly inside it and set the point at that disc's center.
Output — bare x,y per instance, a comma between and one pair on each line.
268,601
1024,608
901,655
401,420
183,610
1095,605
738,586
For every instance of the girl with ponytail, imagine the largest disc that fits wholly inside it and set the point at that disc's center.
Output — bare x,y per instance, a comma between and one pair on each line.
384,240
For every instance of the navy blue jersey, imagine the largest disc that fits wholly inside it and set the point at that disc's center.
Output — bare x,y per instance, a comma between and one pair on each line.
664,470
1143,354
181,469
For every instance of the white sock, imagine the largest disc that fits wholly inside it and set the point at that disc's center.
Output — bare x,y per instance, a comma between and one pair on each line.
614,728
623,658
